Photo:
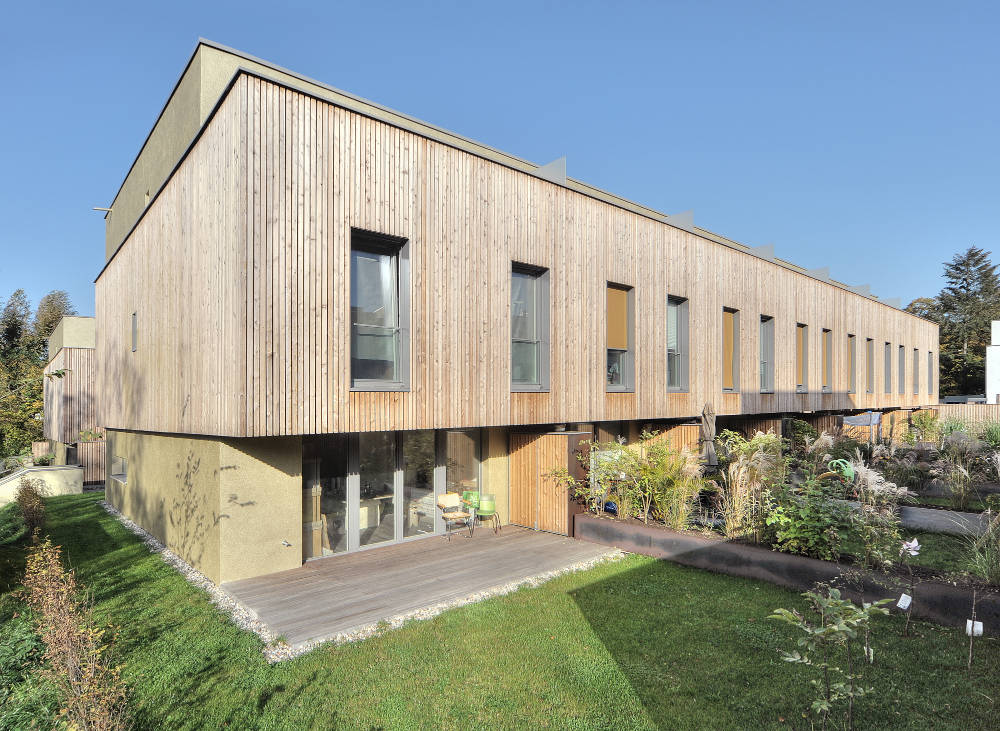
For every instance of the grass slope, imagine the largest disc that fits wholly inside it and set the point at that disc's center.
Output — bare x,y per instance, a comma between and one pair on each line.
632,644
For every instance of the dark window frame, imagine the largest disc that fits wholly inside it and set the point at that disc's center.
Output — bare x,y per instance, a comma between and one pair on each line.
683,344
627,384
542,283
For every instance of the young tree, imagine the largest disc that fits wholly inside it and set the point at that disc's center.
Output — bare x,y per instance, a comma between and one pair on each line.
14,320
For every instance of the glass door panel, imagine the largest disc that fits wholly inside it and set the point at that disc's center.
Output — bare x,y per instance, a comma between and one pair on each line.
324,496
418,483
377,498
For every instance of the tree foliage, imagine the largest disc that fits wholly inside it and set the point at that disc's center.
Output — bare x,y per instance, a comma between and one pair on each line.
963,309
22,362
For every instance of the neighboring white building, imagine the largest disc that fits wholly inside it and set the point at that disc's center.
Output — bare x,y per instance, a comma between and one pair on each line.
993,366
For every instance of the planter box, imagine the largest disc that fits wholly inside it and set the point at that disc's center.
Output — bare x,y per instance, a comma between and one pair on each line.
934,601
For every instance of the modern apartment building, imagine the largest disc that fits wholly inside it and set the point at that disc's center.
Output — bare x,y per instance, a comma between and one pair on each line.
317,314
70,424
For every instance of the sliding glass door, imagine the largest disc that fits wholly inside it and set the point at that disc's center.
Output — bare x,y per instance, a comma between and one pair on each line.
375,488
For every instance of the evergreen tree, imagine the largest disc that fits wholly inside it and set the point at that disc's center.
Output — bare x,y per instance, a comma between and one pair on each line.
51,309
965,307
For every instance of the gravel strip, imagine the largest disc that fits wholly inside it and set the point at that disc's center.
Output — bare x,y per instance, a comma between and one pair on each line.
277,651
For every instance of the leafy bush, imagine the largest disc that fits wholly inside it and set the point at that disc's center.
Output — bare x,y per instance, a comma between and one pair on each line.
924,424
12,528
876,521
952,425
29,500
76,649
27,700
991,434
808,520
44,460
799,434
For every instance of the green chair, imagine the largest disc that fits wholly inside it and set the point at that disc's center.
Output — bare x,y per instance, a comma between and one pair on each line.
470,498
488,509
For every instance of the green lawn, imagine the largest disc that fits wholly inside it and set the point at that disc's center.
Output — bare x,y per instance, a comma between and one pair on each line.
631,644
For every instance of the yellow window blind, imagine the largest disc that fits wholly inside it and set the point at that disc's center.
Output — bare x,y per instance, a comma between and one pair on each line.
826,358
617,318
800,359
728,349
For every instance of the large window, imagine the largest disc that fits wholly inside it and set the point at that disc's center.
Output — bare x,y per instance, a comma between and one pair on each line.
901,381
324,495
766,354
379,312
377,495
620,337
887,367
869,365
916,371
677,344
801,358
852,364
930,371
529,328
826,346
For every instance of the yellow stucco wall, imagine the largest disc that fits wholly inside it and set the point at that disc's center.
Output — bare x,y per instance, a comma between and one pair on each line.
224,506
260,506
73,332
55,481
494,470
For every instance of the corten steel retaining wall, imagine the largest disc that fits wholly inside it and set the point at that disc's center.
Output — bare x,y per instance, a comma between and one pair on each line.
933,600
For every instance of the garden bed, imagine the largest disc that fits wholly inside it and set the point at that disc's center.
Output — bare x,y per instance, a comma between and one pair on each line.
938,601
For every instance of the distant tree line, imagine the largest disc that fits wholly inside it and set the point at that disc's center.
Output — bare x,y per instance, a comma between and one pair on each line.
23,356
963,310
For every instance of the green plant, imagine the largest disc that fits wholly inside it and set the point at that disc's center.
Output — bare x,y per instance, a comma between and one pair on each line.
754,465
44,460
675,480
20,649
808,519
952,425
831,637
924,424
876,521
990,434
984,553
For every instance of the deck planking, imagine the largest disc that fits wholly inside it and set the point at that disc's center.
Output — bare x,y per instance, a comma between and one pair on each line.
344,593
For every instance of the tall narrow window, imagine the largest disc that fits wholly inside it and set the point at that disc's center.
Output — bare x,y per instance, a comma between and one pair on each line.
901,380
677,344
827,366
916,371
766,354
619,338
730,349
852,364
869,365
380,311
887,367
135,331
801,358
529,328
930,371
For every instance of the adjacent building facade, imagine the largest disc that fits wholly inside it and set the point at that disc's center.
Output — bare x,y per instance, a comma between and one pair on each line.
317,314
71,426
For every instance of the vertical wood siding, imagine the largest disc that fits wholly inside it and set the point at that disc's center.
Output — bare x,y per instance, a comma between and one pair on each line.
240,272
71,403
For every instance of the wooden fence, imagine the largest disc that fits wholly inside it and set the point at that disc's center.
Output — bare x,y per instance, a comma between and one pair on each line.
975,415
91,456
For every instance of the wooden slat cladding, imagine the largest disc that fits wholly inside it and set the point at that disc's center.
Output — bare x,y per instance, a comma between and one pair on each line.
182,272
976,415
92,455
71,401
271,356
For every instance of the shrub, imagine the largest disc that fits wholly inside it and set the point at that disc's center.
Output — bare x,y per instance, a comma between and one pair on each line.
90,687
985,553
754,465
991,434
924,424
44,460
808,520
951,425
29,499
12,528
876,521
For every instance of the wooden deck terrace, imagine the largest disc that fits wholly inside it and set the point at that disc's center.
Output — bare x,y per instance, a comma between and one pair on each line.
343,594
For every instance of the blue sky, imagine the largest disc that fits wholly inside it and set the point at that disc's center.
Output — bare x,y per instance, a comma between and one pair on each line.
862,136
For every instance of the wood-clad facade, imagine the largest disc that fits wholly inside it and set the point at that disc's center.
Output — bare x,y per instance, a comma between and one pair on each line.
226,316
237,274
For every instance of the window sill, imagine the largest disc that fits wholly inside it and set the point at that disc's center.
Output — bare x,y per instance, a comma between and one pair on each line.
119,478
826,389
377,386
769,392
684,390
528,388
730,390
799,389
623,389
